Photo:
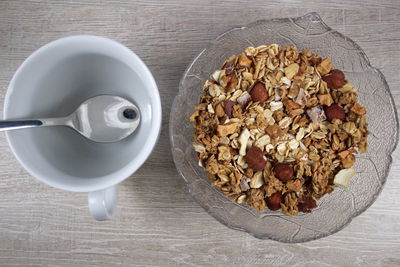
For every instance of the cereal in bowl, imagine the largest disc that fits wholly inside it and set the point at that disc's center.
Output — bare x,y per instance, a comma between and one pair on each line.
277,128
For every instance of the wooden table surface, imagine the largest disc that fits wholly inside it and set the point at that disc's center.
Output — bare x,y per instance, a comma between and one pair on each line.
158,223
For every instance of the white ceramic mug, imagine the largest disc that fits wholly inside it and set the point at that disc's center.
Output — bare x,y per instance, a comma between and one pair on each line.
52,82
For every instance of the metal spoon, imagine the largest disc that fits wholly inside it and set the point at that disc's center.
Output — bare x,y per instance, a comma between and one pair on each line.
103,118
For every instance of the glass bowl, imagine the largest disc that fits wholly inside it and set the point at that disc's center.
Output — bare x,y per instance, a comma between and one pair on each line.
335,210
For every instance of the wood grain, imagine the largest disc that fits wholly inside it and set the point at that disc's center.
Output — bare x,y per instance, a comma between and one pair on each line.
158,223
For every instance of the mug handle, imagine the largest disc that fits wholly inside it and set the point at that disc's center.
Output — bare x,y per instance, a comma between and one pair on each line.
103,203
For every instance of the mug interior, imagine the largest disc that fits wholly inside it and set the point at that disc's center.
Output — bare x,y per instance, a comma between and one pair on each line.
52,83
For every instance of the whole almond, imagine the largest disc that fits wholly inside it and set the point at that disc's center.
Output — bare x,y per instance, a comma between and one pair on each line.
284,171
335,79
255,158
259,93
274,201
335,111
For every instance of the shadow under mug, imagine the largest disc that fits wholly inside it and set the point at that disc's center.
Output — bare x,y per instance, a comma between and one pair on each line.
52,82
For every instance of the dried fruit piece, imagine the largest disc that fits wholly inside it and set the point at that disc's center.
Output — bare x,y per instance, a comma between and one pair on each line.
325,66
233,82
244,61
335,111
255,158
343,177
325,99
219,110
348,161
225,129
284,171
259,93
228,107
306,203
335,79
358,109
290,104
274,201
291,70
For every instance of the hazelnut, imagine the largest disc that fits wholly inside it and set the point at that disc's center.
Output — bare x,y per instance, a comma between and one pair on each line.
306,203
228,107
335,111
335,79
284,171
259,93
255,158
274,201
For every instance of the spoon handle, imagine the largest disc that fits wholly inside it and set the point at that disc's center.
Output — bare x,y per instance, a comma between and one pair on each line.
19,124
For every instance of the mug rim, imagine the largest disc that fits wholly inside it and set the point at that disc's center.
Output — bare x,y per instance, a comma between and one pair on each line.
127,170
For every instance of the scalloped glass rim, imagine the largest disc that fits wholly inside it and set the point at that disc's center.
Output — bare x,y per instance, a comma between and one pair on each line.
336,210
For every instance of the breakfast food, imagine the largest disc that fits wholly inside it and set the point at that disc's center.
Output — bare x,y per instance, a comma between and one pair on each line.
277,128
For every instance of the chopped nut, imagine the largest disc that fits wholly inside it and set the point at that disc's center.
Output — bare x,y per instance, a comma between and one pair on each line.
243,138
210,109
241,199
257,181
343,177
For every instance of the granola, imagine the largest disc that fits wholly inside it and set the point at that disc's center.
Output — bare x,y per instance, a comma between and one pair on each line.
279,128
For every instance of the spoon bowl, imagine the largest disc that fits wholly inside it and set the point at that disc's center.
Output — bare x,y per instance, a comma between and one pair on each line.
102,118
